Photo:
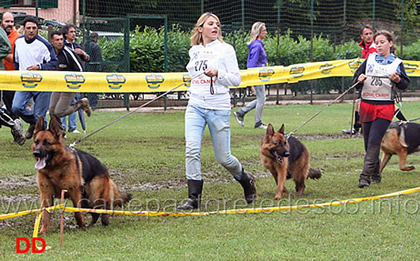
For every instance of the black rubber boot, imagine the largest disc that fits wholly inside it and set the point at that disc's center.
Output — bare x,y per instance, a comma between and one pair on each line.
364,181
376,176
248,183
399,115
194,195
357,125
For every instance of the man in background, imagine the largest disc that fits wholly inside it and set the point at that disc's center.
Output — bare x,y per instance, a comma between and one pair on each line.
95,63
32,52
5,117
69,33
67,61
8,24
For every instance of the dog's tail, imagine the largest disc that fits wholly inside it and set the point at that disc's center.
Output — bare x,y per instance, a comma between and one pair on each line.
121,199
118,198
314,173
126,197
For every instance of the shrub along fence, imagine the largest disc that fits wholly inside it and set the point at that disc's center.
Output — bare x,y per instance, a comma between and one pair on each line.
147,55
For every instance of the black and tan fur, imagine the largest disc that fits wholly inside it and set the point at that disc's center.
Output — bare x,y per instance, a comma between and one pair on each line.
85,178
400,139
286,157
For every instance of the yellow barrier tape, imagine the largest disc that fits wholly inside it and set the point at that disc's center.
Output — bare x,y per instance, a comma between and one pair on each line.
26,212
134,213
328,204
36,227
235,211
38,221
62,81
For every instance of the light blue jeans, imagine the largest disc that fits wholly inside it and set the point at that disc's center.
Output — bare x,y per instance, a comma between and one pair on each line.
72,117
218,121
40,107
258,104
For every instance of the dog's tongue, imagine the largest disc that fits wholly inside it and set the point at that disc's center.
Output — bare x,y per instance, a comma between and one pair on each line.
40,164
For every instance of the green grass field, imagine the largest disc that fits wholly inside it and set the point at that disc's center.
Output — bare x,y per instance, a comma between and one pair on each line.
145,155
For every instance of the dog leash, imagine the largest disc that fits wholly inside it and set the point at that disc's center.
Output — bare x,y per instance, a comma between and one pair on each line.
416,119
138,108
316,114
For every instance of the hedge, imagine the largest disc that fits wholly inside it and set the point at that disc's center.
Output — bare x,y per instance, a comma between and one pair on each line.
147,51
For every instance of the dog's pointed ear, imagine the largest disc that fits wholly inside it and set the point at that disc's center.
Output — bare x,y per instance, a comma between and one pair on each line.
54,127
281,130
40,125
270,129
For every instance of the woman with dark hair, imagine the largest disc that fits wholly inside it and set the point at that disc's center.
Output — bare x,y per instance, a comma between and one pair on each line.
378,76
213,68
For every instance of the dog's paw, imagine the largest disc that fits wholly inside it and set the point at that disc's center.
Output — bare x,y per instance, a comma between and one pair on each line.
408,168
42,232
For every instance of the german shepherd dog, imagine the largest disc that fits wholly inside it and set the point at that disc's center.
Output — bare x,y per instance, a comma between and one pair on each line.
286,157
401,139
84,177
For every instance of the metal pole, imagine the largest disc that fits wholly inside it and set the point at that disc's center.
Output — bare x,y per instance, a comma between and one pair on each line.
166,57
243,14
166,44
127,23
36,9
278,26
344,35
312,44
373,13
84,12
344,19
402,28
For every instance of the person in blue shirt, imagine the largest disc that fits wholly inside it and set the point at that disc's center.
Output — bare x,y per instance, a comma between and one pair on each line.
256,58
377,78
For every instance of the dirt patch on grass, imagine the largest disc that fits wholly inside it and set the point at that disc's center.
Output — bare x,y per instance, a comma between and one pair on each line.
28,190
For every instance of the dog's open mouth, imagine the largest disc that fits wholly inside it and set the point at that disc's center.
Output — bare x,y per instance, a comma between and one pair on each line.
41,163
278,157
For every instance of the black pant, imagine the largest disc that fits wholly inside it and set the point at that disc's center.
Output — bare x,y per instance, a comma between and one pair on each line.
5,119
8,100
373,132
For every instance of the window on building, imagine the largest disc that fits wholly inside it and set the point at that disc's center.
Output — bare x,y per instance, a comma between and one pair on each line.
23,3
29,3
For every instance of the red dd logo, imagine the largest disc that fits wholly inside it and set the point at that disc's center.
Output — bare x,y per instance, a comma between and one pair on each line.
35,250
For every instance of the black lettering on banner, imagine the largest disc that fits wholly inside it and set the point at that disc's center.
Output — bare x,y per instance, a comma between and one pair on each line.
200,65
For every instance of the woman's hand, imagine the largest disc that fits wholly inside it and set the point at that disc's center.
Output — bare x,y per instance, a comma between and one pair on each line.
210,72
361,78
395,77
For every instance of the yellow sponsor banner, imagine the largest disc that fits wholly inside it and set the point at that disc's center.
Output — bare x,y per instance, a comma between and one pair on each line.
161,82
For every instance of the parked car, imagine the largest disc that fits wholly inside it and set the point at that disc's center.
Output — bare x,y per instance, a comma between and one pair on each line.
109,35
54,23
19,17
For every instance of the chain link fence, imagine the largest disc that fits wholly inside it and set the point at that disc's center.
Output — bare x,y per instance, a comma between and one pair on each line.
338,22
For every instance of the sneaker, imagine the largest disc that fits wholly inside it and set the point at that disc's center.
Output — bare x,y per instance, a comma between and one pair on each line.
18,133
352,131
261,126
239,118
30,132
75,131
86,106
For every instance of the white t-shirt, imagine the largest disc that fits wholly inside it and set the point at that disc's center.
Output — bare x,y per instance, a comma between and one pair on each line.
217,55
